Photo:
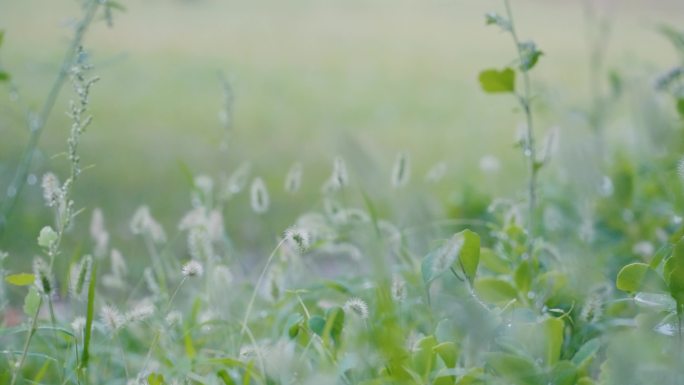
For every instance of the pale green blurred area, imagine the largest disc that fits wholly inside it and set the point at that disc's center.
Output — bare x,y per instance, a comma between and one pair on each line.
312,79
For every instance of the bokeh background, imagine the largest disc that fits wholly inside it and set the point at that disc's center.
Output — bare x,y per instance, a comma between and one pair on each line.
311,80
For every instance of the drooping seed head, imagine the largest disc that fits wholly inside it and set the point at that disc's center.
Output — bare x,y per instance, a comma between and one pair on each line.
298,237
112,318
43,276
192,269
80,276
357,306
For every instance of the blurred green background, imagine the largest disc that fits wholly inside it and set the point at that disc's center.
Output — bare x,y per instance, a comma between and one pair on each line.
312,79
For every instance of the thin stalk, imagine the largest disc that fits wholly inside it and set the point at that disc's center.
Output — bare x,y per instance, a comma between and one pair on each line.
530,150
27,343
37,124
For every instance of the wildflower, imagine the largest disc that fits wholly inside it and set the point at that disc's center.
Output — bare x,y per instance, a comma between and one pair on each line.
401,171
112,318
192,269
259,196
52,191
357,306
293,180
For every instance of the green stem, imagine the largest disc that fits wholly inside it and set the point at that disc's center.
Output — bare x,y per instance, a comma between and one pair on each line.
37,124
529,150
27,343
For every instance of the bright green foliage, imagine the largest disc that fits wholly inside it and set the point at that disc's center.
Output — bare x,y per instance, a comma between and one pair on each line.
21,279
497,81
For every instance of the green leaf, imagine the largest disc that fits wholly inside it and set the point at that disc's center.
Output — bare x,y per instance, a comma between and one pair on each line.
317,324
294,322
495,290
637,277
680,106
529,55
493,18
523,277
516,369
31,302
469,255
424,355
448,352
563,373
586,353
225,377
4,76
21,279
90,313
553,329
2,36
335,323
155,379
491,261
47,237
495,81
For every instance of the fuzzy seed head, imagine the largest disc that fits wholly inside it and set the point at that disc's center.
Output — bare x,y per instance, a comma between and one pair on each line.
401,172
44,281
52,192
192,269
141,311
298,237
80,276
259,198
357,306
237,181
293,180
112,318
398,289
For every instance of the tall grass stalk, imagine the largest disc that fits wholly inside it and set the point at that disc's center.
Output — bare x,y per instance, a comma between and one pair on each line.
37,124
529,148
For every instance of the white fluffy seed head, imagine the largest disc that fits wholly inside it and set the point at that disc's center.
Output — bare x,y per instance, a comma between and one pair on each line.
143,223
112,318
259,198
43,277
52,191
357,306
192,269
298,238
199,244
398,289
293,180
401,172
141,311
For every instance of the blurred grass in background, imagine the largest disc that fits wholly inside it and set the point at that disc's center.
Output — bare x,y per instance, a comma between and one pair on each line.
312,79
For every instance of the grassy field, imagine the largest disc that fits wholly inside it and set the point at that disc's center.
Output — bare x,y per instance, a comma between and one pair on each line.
485,276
